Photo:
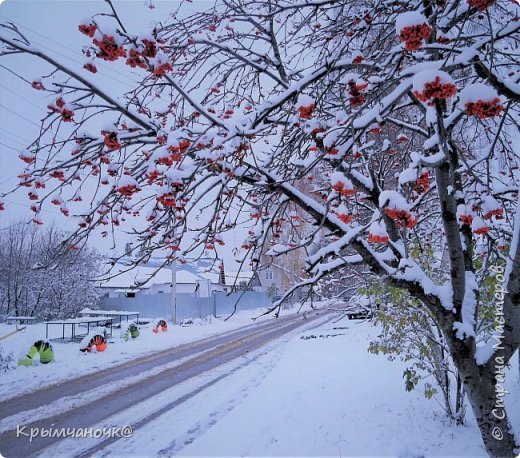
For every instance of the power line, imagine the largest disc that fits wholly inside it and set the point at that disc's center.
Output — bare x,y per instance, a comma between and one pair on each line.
10,147
19,115
15,74
14,135
28,206
14,138
22,97
73,51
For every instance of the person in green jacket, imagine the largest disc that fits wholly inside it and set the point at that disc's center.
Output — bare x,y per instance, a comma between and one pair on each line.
43,348
131,331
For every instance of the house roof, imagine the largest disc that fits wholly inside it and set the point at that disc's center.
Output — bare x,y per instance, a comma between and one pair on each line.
231,276
143,277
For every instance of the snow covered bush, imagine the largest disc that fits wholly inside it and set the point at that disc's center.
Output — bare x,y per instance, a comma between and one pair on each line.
409,333
7,361
247,113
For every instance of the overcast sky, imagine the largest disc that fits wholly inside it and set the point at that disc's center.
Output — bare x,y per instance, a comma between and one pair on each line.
53,26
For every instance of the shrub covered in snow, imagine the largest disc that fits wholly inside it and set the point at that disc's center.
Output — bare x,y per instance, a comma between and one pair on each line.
7,361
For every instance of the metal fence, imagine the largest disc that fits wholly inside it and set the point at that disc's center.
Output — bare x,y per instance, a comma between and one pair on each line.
188,305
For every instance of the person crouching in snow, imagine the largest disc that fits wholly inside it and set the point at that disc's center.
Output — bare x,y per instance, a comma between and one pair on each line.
161,324
41,347
131,331
93,344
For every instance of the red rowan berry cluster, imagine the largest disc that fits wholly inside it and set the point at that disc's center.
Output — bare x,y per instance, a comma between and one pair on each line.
358,59
167,199
135,59
466,219
357,98
88,29
343,216
480,5
402,217
413,35
58,174
150,48
482,230
498,213
436,89
111,140
90,67
128,190
375,129
37,85
108,48
176,153
152,176
342,189
422,184
484,109
161,69
59,107
306,111
27,157
375,238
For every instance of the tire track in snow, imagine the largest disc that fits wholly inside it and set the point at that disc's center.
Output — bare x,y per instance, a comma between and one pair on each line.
103,385
142,414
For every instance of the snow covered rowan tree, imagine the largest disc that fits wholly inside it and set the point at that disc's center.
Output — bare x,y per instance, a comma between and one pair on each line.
241,104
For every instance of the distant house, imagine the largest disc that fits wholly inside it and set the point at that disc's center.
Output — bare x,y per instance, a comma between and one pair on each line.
195,278
280,275
151,280
240,281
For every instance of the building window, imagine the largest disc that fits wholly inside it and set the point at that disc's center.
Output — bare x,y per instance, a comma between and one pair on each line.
269,275
130,294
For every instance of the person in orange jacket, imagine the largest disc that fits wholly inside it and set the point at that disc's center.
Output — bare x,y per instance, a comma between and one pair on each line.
161,324
98,342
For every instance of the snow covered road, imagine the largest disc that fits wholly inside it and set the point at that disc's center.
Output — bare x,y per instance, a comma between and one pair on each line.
86,401
289,388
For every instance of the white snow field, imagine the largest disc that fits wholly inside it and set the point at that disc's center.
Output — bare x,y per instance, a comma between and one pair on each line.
313,392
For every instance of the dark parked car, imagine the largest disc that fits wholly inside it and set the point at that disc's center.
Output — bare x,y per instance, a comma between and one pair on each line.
360,308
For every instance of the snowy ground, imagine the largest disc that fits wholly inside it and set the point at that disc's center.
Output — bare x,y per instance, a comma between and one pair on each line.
323,396
70,362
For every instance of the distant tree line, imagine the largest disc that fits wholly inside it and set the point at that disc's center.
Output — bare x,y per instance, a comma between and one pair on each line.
41,277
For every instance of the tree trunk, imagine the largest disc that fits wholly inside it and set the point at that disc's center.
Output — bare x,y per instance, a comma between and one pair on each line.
487,403
459,403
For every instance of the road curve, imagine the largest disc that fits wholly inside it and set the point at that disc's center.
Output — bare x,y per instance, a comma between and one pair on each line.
197,357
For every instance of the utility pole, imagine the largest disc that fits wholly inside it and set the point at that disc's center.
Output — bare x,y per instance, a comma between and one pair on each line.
173,305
